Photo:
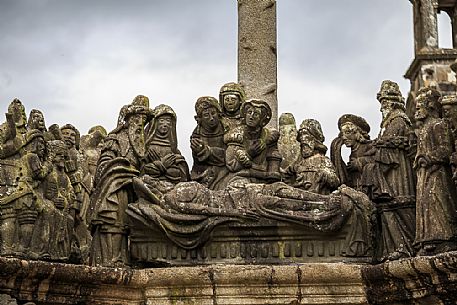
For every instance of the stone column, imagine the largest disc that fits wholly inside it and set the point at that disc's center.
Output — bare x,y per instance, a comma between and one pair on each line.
428,11
257,58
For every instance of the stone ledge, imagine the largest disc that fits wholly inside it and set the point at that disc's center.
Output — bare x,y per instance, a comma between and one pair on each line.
51,283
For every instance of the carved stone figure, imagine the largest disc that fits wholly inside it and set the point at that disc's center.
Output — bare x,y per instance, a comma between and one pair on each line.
449,112
13,130
436,210
20,206
288,146
207,144
314,171
231,98
163,160
252,149
353,134
389,179
120,160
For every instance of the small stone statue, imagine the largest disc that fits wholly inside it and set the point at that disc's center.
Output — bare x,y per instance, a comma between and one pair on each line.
436,210
231,97
313,172
353,134
288,146
389,179
13,131
120,160
163,160
449,108
252,149
207,143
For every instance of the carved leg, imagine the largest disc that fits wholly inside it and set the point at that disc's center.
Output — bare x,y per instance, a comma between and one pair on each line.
8,231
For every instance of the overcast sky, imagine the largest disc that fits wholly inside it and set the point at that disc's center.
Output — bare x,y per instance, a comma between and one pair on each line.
80,61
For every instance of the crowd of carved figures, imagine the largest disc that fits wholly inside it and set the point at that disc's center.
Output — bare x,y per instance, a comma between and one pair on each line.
69,198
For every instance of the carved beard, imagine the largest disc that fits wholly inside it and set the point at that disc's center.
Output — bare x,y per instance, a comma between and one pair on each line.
136,138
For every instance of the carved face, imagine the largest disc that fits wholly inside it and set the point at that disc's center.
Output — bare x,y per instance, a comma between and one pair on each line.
350,134
421,110
37,121
18,112
306,144
450,112
232,103
164,123
209,118
69,137
39,147
136,133
386,108
59,159
254,116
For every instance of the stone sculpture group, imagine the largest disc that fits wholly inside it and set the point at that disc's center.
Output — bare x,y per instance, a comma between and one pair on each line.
68,198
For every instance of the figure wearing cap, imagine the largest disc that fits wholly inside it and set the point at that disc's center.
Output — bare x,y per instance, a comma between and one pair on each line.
207,144
314,171
436,204
252,149
354,133
231,98
390,180
120,160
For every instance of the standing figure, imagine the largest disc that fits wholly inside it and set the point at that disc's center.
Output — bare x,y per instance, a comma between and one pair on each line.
120,161
288,146
389,180
231,98
436,205
353,134
252,149
207,143
449,108
314,171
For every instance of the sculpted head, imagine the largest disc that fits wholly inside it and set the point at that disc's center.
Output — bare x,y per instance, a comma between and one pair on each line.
35,143
311,138
70,136
390,98
60,151
208,112
17,110
427,104
353,130
256,113
231,96
36,120
449,107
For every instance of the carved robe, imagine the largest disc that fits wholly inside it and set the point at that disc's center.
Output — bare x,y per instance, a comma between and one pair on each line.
436,206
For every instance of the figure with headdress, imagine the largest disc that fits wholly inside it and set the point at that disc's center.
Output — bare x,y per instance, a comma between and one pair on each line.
449,113
314,171
121,158
389,180
231,98
252,149
20,207
354,133
163,161
207,144
288,146
436,204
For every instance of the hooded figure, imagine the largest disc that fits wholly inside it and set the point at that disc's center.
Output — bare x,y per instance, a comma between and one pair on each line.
231,99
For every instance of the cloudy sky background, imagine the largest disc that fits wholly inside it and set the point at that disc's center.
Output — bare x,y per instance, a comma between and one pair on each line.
80,61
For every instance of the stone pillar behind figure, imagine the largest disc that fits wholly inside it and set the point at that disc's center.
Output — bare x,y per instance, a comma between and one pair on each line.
257,54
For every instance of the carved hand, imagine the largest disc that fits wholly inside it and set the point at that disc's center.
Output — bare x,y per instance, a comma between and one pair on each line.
168,160
197,145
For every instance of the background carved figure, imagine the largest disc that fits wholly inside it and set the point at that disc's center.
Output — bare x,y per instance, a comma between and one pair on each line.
436,212
313,171
288,146
207,143
390,180
231,98
449,112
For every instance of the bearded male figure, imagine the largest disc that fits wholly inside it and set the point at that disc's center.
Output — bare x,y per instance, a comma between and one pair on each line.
120,160
436,209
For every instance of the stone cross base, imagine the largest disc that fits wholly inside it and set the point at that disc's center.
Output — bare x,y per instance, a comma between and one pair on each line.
420,280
